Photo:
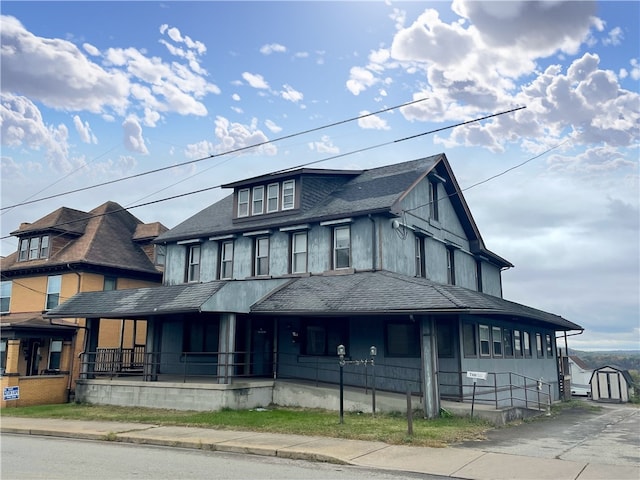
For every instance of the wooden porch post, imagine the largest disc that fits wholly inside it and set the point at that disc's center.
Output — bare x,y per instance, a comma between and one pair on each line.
429,354
226,349
91,347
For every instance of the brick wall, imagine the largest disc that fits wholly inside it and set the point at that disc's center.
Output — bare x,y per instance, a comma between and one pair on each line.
36,390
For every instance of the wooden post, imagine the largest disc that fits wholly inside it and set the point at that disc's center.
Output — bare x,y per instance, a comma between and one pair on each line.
409,414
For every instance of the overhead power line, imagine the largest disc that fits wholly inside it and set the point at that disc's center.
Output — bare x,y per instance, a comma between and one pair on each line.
237,150
174,197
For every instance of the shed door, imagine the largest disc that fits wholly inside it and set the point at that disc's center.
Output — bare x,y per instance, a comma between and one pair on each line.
609,386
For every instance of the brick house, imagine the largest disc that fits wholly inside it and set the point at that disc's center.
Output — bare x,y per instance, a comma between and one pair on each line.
66,252
267,283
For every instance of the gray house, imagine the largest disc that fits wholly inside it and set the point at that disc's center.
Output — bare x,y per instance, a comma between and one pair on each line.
268,282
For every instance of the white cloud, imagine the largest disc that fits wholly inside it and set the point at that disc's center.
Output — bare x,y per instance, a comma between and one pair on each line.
234,136
291,94
360,79
325,145
133,139
272,126
372,122
614,37
84,130
272,48
255,80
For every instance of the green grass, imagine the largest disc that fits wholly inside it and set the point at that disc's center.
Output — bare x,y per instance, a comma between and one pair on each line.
388,428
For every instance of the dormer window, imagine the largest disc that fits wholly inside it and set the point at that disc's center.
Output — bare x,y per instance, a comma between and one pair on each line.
34,248
243,202
258,201
288,194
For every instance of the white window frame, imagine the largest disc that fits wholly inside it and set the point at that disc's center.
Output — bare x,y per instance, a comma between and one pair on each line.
226,259
6,287
271,199
54,287
496,337
339,247
261,253
34,248
299,252
257,200
243,205
451,266
55,347
193,263
484,336
288,194
24,250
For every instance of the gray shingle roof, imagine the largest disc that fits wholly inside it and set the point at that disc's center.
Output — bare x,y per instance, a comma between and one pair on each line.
372,190
137,302
386,292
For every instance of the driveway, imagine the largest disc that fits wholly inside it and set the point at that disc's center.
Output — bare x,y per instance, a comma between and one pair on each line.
596,433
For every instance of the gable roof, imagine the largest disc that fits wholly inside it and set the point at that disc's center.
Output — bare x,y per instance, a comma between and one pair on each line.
377,190
102,237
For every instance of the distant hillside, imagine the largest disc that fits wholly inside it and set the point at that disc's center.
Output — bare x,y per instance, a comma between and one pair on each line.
625,359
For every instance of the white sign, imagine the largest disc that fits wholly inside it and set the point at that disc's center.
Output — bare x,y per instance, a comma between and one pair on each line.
477,375
11,393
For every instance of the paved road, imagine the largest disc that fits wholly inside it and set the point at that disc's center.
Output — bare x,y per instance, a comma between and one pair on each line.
32,457
607,434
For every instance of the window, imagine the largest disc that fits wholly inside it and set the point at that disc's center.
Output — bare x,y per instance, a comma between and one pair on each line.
549,344
479,275
469,339
322,336
24,250
161,254
226,260
5,296
243,202
273,197
34,248
299,252
341,247
257,207
526,344
193,265
261,251
421,270
55,353
3,355
444,335
433,200
496,335
539,347
517,344
451,266
507,337
44,247
288,194
485,342
201,335
110,283
402,339
54,284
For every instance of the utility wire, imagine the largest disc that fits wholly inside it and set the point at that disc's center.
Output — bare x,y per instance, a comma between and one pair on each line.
289,169
237,150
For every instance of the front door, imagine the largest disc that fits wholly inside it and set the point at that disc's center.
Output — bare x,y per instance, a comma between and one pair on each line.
261,357
449,375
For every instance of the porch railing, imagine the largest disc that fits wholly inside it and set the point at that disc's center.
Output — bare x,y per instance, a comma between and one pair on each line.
117,360
501,389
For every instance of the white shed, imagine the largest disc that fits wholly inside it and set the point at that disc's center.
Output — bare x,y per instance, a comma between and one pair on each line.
611,384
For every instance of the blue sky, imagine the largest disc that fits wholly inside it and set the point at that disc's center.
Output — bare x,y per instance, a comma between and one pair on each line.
98,91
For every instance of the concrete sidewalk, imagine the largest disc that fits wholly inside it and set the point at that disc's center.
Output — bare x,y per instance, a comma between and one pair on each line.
471,463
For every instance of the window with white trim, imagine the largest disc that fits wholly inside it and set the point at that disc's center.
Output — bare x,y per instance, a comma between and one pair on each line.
54,285
539,347
24,250
44,247
421,267
33,248
243,202
433,200
517,343
273,197
261,253
342,247
288,194
451,266
193,263
257,204
226,260
496,335
485,340
526,344
299,252
5,296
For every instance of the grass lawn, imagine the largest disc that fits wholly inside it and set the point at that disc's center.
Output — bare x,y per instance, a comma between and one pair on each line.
388,428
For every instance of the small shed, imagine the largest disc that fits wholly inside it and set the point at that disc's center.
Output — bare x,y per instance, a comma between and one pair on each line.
611,384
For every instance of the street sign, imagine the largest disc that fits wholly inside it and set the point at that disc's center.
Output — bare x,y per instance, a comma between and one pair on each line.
11,393
477,375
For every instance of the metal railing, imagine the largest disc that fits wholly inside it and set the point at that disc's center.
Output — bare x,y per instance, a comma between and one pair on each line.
501,389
